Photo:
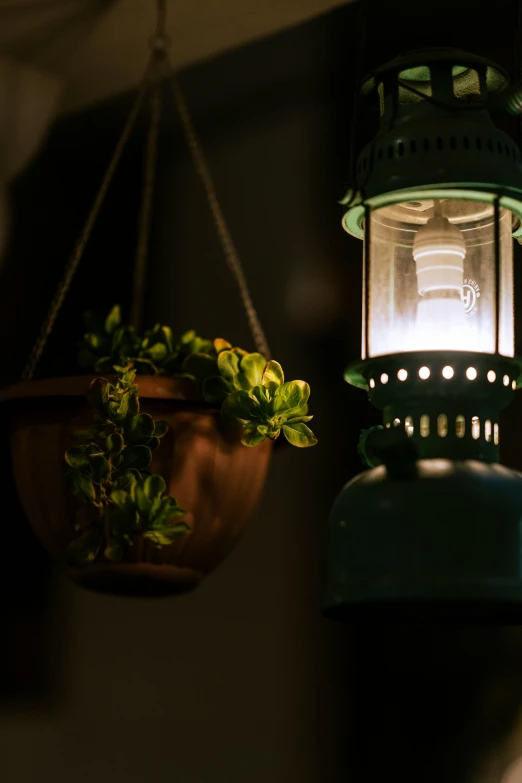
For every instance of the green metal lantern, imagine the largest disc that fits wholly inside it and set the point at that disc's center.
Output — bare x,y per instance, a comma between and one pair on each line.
435,529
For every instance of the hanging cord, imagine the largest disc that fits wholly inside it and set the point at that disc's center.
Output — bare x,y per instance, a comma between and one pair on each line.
145,217
225,238
74,260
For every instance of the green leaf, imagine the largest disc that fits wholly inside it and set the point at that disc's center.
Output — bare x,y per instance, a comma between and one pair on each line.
100,469
157,352
134,405
78,457
241,381
114,550
240,406
95,341
113,320
273,373
139,427
228,365
187,337
160,429
291,396
124,481
252,437
168,338
98,394
215,389
154,486
200,366
127,377
221,345
262,395
252,365
84,549
299,435
299,419
121,498
115,443
151,443
165,534
142,501
80,484
138,457
123,408
165,509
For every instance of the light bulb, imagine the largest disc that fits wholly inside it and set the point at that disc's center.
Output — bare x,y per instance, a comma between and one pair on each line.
439,252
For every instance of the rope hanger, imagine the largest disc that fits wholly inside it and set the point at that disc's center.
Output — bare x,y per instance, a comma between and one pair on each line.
157,71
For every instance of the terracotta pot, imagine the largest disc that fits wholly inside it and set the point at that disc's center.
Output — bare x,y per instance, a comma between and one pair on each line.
206,468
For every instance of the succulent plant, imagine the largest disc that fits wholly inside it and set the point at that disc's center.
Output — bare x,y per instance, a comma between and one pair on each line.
251,391
110,473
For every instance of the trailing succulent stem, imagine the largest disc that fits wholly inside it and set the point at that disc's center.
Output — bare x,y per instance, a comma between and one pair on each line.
251,391
110,473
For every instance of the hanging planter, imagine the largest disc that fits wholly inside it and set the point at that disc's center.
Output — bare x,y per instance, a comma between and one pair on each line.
141,476
201,458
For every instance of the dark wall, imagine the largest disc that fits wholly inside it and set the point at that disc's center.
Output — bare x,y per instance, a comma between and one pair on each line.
243,680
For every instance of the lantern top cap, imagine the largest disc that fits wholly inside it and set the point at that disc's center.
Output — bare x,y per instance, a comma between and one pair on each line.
415,67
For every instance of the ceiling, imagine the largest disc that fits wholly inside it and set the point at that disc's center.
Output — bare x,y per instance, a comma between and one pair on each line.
99,47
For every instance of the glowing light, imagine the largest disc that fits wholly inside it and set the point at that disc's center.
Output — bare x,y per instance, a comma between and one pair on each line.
471,373
372,383
384,378
475,428
487,431
448,372
460,426
505,380
408,424
424,425
443,251
402,375
495,434
492,376
396,422
514,385
442,425
424,373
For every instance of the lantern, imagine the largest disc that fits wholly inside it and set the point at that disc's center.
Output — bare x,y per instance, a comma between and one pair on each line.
435,527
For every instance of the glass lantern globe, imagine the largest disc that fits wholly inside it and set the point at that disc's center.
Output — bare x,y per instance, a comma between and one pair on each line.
432,282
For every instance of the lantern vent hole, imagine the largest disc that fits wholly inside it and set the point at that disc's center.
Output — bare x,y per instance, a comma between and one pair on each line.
442,425
460,426
409,426
492,376
487,431
424,425
475,428
448,372
496,435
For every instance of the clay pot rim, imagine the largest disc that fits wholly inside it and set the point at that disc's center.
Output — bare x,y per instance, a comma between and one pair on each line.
149,387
